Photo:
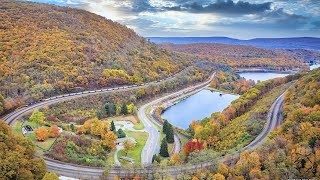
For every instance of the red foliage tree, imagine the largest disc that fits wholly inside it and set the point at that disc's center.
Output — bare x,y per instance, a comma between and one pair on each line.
192,146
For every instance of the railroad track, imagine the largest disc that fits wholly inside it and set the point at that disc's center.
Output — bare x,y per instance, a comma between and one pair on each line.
86,172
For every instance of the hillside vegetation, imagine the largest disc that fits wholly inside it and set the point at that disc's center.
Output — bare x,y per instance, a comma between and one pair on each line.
16,156
291,151
239,56
47,49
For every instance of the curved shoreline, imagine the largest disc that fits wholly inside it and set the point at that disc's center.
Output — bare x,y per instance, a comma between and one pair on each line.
86,172
264,70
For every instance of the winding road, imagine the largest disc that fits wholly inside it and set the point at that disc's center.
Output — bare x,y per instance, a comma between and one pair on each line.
152,145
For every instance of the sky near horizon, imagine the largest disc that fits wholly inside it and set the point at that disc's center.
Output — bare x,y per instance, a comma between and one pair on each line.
243,19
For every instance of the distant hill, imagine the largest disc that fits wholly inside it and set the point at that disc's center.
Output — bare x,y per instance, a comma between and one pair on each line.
47,49
308,43
247,56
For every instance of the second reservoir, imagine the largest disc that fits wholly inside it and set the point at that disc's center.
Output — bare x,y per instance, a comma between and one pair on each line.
197,107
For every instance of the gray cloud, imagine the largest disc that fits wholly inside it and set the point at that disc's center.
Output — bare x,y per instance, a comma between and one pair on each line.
224,7
280,16
235,18
141,5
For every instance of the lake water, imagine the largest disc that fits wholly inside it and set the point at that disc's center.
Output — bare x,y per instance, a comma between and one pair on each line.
197,107
314,66
262,76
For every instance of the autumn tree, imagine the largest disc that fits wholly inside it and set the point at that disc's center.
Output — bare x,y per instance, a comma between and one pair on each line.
192,146
223,169
54,131
41,134
17,156
50,176
96,127
128,145
164,148
109,140
247,162
37,117
1,104
130,108
175,158
218,176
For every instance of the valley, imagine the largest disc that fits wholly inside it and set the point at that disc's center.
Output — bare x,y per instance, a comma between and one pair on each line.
86,97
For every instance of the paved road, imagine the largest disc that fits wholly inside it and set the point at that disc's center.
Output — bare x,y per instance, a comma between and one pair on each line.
85,172
152,145
274,119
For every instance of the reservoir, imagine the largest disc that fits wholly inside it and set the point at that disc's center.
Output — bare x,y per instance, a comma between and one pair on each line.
197,107
260,76
314,66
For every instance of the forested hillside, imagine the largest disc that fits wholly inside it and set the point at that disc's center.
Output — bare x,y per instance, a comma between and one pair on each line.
16,155
248,56
47,49
291,151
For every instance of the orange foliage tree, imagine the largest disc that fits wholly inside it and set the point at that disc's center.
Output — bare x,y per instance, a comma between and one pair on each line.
41,134
54,131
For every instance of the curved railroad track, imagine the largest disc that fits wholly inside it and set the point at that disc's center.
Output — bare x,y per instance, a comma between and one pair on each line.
86,172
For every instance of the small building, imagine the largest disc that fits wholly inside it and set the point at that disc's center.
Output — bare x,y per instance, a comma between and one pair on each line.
26,129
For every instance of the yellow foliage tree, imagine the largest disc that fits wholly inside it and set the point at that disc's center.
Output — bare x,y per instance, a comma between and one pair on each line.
218,176
109,140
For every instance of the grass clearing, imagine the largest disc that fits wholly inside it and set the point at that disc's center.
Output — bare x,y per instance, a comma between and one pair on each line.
110,159
129,118
138,126
183,139
141,138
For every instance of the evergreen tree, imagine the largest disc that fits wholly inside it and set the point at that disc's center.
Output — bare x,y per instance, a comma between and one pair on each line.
113,109
124,109
165,126
170,134
107,109
164,148
113,127
120,133
156,158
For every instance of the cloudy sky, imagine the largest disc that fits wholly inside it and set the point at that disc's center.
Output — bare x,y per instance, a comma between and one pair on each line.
242,19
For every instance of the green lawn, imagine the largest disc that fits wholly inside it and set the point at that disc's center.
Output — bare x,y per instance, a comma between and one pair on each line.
141,138
110,159
138,126
183,139
17,127
40,145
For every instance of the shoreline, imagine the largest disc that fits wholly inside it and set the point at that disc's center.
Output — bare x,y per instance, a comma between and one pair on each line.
264,70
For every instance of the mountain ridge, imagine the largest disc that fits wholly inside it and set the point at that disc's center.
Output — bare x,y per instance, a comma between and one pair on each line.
308,43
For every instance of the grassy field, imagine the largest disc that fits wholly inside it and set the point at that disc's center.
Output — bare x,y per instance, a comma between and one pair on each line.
110,159
183,139
137,124
40,146
141,138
